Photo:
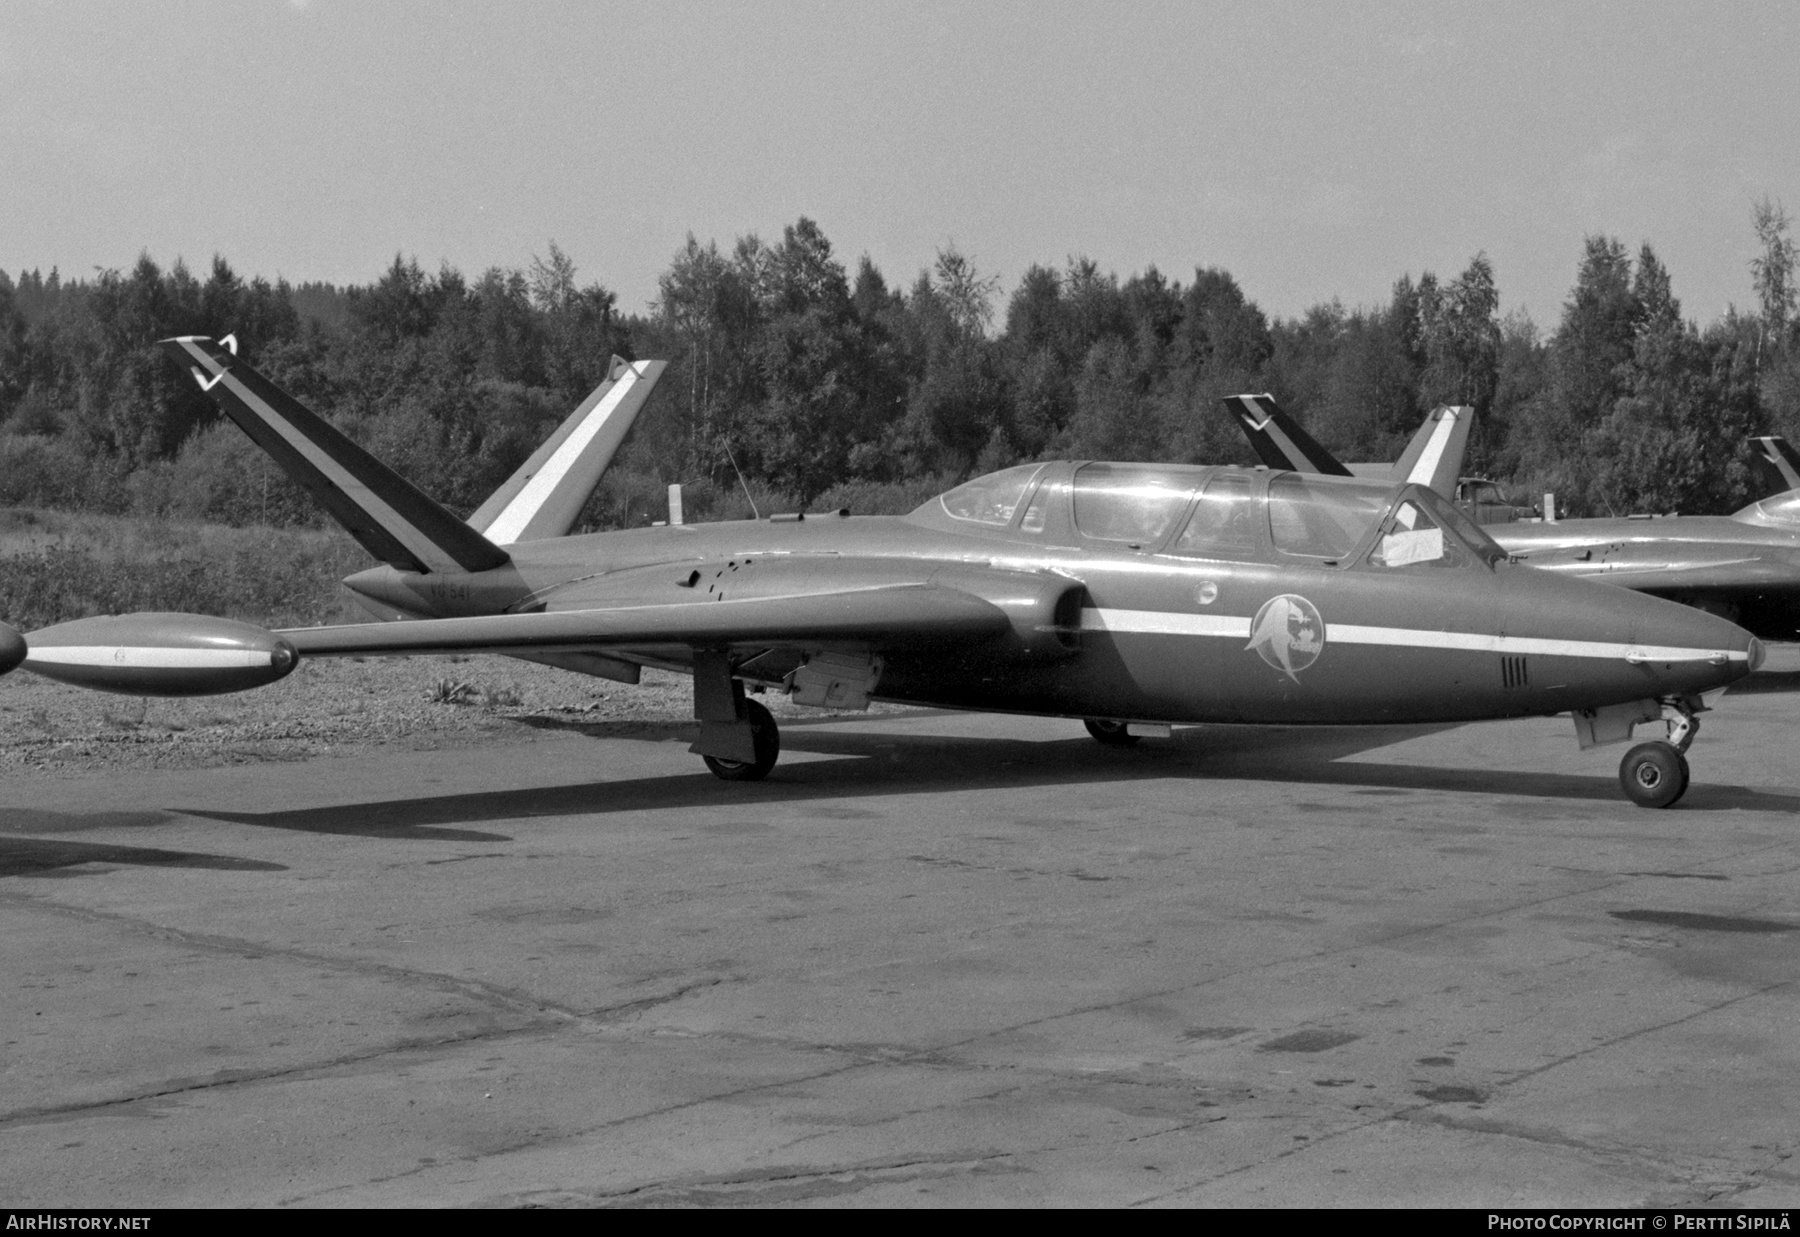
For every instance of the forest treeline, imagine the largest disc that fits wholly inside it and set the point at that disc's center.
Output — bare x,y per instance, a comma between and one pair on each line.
826,386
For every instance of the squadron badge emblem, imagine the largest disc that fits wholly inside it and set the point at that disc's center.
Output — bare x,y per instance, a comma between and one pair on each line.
1288,634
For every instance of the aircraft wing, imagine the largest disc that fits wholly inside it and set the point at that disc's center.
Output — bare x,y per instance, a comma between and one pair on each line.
882,617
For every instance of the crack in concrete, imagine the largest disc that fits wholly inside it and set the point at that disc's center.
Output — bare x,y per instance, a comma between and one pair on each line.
509,999
232,1078
1424,1114
715,1189
541,1015
618,1013
589,1131
1727,1003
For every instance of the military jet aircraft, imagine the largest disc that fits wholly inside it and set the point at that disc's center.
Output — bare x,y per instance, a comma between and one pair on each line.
1132,596
1744,567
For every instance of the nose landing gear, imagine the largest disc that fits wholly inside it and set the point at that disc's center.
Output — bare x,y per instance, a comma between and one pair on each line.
1655,774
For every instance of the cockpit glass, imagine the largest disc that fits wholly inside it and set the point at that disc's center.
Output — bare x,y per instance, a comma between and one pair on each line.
1224,520
1322,519
1137,503
1036,513
1461,526
1780,509
1414,538
991,499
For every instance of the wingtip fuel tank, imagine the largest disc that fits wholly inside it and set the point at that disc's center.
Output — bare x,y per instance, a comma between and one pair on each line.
159,654
12,648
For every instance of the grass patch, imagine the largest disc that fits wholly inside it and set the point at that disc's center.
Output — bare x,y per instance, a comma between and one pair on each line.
56,566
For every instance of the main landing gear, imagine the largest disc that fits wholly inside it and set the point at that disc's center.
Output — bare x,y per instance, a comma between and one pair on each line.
1655,774
738,739
1113,734
765,739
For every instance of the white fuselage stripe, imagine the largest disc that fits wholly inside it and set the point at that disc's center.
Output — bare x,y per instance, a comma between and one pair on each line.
1166,623
140,657
421,546
1171,623
511,522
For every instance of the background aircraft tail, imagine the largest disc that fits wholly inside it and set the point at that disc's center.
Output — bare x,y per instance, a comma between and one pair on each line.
1434,456
1779,461
1278,439
544,498
389,516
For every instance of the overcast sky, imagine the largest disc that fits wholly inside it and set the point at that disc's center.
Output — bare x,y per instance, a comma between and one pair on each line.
1312,150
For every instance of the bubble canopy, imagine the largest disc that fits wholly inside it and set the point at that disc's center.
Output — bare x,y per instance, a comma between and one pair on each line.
1208,512
991,499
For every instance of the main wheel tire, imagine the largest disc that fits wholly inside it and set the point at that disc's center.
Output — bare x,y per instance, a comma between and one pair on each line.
1113,734
765,739
1653,774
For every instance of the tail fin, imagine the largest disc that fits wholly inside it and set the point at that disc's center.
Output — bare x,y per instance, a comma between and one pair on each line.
1434,456
387,514
1780,462
545,496
1278,439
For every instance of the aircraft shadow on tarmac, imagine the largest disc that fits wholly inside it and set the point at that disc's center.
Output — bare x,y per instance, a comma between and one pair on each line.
388,818
884,763
47,857
1766,682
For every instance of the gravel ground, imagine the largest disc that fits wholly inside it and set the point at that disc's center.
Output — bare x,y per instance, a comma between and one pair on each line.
329,707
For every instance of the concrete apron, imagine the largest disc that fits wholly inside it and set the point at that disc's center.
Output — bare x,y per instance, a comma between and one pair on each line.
935,959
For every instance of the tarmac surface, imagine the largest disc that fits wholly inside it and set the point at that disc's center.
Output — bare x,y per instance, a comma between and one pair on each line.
935,959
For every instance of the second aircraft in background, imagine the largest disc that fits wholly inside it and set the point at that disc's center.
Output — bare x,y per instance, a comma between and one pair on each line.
1744,566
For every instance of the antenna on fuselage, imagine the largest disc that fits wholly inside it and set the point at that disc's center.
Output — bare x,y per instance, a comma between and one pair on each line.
755,514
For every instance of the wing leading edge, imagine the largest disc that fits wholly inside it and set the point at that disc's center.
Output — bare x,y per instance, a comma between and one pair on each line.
891,616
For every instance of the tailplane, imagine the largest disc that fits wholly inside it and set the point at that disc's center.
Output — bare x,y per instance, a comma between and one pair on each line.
546,495
389,516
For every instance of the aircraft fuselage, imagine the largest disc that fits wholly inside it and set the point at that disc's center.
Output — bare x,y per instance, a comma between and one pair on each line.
1737,566
1144,631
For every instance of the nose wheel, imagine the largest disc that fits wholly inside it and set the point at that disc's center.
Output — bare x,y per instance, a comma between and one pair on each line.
1654,774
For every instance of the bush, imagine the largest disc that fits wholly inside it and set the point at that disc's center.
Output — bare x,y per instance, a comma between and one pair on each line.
37,471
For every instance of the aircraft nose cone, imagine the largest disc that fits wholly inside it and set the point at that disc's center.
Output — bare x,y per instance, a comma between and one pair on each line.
1688,650
12,648
1619,645
1758,654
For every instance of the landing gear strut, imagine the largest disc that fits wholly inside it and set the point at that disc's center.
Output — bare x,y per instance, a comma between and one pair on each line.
1656,774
